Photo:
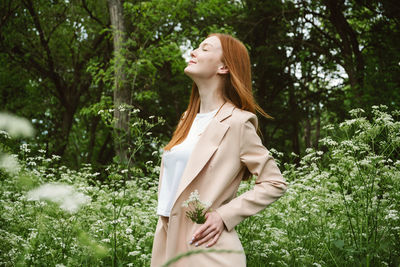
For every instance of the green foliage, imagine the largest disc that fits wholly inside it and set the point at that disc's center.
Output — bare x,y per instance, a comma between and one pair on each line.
118,224
342,204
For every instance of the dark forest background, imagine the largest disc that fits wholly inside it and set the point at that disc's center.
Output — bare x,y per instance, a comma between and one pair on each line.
65,65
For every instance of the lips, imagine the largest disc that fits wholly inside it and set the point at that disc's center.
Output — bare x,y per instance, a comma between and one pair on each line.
191,61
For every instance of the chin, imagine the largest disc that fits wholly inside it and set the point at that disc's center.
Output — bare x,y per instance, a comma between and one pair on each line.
187,71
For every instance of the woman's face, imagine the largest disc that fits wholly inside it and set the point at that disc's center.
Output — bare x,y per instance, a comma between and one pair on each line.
206,61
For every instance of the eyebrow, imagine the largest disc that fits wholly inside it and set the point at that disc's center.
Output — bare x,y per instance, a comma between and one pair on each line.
204,44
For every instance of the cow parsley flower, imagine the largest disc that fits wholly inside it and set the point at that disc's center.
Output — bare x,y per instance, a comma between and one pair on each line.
9,163
16,126
64,195
196,208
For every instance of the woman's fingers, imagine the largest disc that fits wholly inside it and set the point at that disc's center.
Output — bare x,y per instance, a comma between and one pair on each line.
203,231
206,238
213,241
210,230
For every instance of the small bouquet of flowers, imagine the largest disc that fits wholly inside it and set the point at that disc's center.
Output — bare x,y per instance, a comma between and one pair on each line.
197,208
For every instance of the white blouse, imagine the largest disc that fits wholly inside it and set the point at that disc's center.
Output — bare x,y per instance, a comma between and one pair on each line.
175,161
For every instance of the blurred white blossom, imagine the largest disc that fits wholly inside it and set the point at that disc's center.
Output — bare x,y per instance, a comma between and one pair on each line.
15,126
9,163
64,195
25,148
392,215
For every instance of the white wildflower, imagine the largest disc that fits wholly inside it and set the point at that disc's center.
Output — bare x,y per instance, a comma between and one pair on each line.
31,163
117,221
207,204
5,134
198,208
328,141
329,127
356,111
55,157
15,126
9,163
133,253
24,148
392,215
64,195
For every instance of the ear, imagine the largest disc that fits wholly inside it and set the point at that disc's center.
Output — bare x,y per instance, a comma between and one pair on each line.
223,70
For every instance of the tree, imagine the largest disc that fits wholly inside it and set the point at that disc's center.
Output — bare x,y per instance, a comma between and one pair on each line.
122,92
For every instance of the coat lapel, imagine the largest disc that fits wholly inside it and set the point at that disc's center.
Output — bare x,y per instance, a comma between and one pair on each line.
205,147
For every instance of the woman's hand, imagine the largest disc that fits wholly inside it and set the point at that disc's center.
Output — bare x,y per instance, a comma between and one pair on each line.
210,230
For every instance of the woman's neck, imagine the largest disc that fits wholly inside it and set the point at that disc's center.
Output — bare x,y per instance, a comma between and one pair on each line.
210,97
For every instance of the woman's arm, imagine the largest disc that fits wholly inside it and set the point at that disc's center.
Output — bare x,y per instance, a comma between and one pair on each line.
269,186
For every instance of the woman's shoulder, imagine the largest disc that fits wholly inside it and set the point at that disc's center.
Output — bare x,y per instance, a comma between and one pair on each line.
241,116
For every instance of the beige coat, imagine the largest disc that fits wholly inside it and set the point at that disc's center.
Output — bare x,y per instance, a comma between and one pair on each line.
215,168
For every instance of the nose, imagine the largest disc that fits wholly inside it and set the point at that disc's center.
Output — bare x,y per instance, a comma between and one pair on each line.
192,53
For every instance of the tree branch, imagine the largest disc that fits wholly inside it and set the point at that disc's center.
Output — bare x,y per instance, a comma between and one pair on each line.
50,62
85,6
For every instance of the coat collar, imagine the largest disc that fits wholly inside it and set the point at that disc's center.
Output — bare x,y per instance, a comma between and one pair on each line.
225,112
204,148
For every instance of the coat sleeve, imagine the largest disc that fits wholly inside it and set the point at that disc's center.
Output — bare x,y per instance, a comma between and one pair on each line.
269,185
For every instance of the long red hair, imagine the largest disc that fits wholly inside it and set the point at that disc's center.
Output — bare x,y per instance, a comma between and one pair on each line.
237,87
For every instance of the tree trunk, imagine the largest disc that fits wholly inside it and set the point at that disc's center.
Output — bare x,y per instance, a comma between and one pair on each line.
317,128
122,92
294,115
63,134
307,132
353,61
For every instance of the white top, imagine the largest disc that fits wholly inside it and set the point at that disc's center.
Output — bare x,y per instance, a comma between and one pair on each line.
175,161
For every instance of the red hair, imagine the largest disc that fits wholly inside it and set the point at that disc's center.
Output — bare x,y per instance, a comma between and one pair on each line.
237,87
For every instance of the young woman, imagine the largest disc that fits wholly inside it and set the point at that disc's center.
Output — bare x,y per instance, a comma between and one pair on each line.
214,147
